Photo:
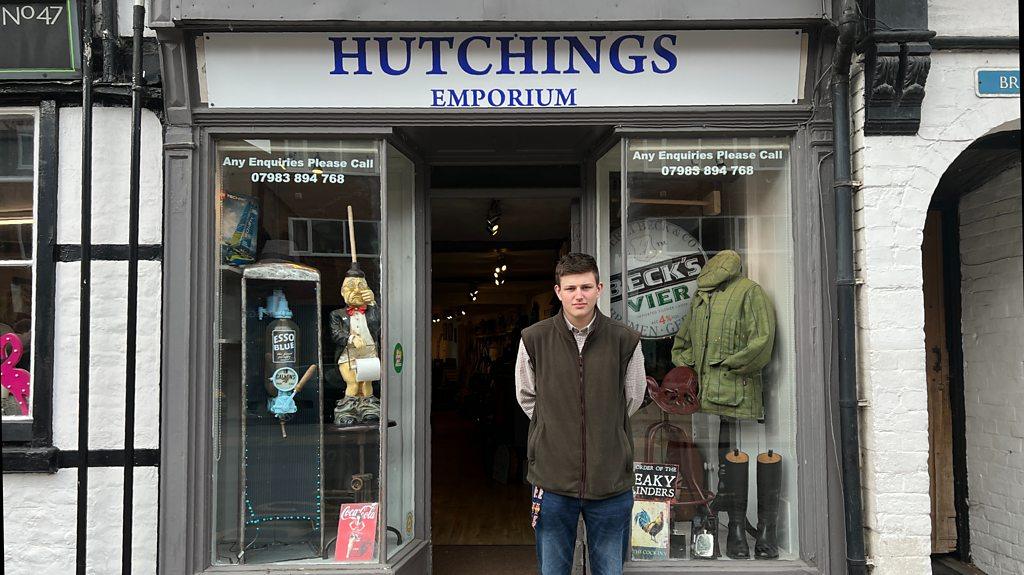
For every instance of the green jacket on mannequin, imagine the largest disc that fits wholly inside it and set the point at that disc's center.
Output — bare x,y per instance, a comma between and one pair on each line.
727,338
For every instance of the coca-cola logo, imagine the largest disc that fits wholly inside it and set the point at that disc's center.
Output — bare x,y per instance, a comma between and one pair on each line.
368,511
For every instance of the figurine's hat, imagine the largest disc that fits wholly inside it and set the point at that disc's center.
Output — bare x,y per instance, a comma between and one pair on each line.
354,271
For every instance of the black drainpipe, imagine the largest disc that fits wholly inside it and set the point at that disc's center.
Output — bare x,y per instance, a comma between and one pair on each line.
138,22
81,538
848,404
108,25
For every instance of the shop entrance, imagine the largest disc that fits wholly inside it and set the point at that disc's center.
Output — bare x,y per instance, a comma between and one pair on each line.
486,288
504,205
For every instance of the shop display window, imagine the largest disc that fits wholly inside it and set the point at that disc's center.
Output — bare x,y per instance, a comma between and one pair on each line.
303,354
17,217
708,282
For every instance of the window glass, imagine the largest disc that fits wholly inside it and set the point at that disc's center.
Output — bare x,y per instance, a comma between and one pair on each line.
17,199
609,200
297,412
709,285
399,353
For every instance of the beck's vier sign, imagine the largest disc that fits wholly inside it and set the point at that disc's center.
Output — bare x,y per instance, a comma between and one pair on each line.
501,69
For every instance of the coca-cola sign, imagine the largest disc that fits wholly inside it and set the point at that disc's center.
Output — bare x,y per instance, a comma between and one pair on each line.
357,532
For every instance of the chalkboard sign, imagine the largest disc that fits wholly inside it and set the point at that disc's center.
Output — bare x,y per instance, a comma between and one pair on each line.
39,40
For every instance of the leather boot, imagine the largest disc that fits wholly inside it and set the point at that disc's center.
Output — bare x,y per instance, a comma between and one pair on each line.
769,486
721,500
737,483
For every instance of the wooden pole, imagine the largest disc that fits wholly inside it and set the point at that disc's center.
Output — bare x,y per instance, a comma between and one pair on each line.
351,234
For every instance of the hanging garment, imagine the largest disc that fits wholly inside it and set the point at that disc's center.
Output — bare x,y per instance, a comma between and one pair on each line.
727,338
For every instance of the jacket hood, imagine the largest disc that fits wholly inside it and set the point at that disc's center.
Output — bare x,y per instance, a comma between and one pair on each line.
721,268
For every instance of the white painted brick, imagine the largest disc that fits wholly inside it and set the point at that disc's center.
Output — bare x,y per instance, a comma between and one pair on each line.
110,174
39,522
107,349
899,174
993,327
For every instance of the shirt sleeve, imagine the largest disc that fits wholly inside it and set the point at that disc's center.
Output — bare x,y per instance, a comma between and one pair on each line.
526,390
636,380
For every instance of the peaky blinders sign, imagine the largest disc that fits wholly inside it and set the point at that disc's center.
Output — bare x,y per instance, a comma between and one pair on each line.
39,40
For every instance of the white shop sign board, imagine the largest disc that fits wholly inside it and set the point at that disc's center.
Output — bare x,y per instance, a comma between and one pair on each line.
501,69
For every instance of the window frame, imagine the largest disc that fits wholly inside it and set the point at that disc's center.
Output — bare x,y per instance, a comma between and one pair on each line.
210,136
188,231
28,443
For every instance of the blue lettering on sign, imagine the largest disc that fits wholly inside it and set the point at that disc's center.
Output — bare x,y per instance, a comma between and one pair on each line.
998,82
505,54
626,54
502,98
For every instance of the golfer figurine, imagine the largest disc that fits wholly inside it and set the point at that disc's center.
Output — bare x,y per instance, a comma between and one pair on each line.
352,329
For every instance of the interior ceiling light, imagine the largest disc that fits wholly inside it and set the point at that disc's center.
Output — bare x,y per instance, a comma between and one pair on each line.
493,218
499,269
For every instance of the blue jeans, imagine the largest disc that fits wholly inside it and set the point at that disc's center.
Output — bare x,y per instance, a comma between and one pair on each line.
607,522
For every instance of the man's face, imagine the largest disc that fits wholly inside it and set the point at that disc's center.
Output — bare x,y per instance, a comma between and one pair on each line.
578,294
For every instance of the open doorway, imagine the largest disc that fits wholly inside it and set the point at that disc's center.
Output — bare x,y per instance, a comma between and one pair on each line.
492,262
973,295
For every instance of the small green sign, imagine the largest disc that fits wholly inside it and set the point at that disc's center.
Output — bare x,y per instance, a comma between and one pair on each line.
398,358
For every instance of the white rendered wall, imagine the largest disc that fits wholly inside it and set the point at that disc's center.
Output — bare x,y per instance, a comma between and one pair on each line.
899,175
988,18
992,297
40,510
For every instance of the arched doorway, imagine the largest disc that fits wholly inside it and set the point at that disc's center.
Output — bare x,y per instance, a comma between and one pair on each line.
974,323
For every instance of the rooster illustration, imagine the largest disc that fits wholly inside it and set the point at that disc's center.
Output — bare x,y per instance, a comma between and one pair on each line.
652,528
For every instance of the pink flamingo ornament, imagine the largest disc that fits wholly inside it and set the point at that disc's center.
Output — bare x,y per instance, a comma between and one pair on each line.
15,379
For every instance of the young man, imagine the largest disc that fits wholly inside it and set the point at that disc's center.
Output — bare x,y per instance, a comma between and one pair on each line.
579,376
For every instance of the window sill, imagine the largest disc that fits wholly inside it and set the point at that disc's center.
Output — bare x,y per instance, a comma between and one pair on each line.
29,459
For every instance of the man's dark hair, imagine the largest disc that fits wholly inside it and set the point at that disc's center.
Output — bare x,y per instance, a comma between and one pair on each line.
576,263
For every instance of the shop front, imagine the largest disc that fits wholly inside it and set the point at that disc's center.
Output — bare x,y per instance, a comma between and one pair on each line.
311,174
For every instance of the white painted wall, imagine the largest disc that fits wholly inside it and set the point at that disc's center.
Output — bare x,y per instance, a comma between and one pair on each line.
899,175
40,514
40,510
992,297
988,18
111,140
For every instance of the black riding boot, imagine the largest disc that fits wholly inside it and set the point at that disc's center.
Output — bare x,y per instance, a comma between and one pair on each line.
737,482
721,500
769,484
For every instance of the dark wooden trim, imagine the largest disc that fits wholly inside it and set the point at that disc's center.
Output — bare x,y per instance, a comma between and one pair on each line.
955,350
975,42
110,458
29,459
51,459
107,252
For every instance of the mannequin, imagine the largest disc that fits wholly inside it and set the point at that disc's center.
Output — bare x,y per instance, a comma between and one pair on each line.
727,338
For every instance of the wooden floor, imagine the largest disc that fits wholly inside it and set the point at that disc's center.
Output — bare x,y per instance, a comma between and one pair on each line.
485,559
469,507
